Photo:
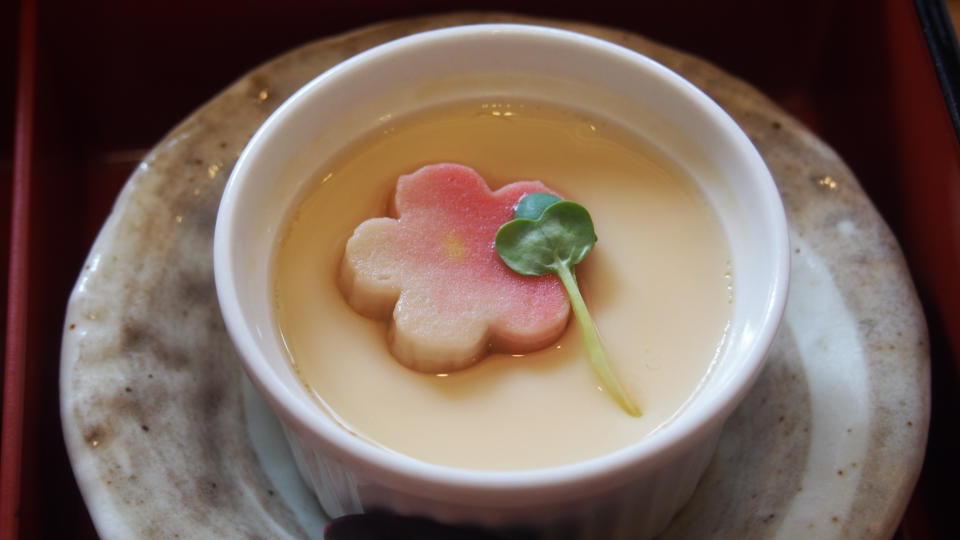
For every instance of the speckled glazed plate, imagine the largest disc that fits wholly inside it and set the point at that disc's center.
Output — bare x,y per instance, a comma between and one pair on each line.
168,439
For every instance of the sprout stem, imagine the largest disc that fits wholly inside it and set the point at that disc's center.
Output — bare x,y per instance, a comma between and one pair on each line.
595,352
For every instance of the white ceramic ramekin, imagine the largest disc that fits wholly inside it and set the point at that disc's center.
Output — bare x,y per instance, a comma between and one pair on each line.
631,493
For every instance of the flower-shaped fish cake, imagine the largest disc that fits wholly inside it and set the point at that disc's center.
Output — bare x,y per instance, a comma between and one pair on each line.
434,272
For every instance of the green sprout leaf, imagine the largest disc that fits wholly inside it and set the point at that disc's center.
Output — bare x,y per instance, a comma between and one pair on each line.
550,236
532,205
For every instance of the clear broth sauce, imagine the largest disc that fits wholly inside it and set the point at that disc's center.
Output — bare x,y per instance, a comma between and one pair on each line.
658,285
